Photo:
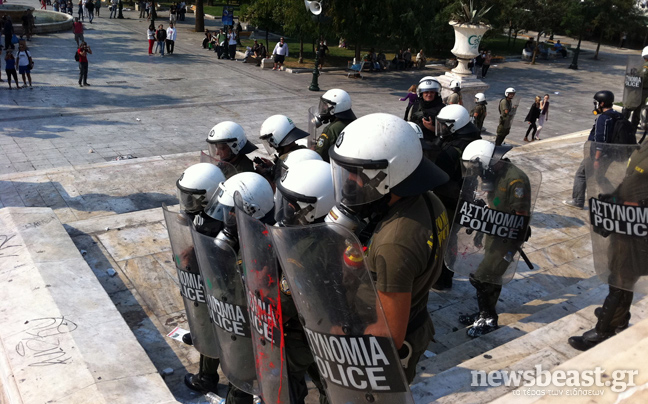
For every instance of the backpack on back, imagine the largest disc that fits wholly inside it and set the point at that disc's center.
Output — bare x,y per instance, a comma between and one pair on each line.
76,56
624,132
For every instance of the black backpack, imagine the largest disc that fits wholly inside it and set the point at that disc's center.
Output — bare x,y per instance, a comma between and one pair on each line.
76,55
624,132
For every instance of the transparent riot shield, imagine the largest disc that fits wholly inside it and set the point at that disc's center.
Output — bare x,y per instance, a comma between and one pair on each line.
341,313
227,169
191,284
515,103
618,203
492,219
633,83
312,127
261,277
227,303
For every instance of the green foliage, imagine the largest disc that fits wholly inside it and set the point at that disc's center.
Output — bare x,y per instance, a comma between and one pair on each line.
468,13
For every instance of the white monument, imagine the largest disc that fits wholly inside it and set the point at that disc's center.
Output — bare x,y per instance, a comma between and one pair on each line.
466,47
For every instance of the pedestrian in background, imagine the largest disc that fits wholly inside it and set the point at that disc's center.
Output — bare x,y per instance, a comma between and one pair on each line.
83,51
80,10
487,63
411,97
171,37
531,118
113,9
150,35
97,7
24,63
544,114
77,28
90,7
280,52
231,41
160,36
10,68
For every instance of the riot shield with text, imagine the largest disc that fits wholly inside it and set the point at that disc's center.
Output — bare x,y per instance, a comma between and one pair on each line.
227,169
191,285
261,277
341,314
227,303
492,219
618,203
633,83
312,127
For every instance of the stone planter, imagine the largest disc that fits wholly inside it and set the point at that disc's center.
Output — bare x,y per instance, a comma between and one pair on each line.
466,46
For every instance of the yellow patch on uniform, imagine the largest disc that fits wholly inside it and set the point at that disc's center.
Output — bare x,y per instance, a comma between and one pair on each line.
639,169
515,182
502,189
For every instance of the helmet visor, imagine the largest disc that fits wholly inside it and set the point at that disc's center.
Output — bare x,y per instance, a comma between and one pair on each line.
221,151
444,127
325,108
191,202
292,209
269,143
217,208
357,185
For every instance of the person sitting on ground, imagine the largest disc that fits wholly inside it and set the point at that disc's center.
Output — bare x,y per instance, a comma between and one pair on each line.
420,60
256,54
207,40
382,60
407,57
560,49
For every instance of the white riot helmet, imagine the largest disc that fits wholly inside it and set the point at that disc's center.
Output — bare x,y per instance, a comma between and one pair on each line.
508,91
417,129
644,52
335,103
196,184
256,195
426,84
295,157
278,131
484,153
480,97
450,119
305,193
455,85
229,134
378,154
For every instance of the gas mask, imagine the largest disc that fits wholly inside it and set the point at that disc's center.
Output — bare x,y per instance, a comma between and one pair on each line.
325,113
227,237
597,108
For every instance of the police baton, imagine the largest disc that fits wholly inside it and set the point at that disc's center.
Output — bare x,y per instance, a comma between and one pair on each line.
525,258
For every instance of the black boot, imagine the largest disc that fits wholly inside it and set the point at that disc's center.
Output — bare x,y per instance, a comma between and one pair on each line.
445,279
201,382
468,319
613,317
487,296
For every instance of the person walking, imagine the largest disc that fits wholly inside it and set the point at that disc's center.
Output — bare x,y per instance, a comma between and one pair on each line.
231,41
70,7
280,52
10,68
113,9
80,10
160,36
487,63
142,8
90,6
8,32
506,116
544,114
411,97
83,52
531,118
97,7
150,34
479,64
24,63
77,28
171,37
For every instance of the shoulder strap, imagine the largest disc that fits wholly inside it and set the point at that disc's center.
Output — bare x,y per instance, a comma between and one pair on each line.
435,232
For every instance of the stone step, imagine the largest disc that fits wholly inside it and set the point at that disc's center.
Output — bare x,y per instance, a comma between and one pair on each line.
546,346
63,340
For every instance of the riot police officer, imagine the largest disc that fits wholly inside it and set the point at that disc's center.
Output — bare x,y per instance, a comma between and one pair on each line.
227,142
381,176
256,194
455,97
334,109
194,187
478,113
304,196
427,106
454,132
506,116
507,189
279,136
624,259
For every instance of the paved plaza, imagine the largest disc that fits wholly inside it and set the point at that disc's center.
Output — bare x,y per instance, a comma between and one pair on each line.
150,106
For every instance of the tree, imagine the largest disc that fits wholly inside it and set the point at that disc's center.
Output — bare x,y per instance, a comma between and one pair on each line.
266,14
300,23
200,16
